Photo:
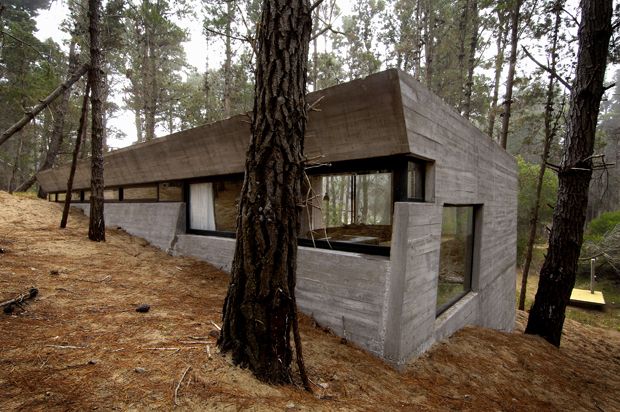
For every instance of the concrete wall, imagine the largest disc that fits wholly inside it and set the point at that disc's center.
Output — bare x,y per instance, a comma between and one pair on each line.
469,169
342,291
156,222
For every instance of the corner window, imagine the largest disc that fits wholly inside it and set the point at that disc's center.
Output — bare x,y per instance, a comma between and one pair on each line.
455,255
352,208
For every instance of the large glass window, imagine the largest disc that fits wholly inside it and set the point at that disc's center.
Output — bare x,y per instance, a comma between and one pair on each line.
226,201
455,255
110,194
214,205
352,207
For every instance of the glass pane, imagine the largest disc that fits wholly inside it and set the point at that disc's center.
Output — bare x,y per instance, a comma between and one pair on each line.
110,194
373,199
76,196
227,195
140,193
171,192
415,180
455,255
60,197
349,208
87,195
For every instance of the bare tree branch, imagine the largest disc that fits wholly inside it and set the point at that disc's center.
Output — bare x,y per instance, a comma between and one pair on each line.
547,69
315,5
29,115
25,43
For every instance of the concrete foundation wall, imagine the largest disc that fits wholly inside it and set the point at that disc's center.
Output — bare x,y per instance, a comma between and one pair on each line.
156,222
342,291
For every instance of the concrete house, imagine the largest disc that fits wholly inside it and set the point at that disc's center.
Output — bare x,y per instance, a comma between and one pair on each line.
409,232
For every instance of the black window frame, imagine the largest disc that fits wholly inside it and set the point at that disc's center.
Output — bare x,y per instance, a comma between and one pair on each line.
468,281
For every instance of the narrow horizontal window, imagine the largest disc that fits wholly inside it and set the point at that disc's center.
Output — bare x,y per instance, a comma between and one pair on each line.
145,193
171,192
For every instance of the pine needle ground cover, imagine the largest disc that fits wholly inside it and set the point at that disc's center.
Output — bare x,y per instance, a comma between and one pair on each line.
81,345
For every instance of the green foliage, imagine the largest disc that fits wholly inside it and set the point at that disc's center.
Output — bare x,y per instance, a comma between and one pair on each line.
528,180
603,224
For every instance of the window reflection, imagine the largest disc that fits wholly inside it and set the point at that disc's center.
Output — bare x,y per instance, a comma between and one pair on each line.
351,207
455,256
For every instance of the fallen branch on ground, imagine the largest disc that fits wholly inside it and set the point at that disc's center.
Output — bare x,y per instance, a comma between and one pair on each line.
9,304
65,347
176,390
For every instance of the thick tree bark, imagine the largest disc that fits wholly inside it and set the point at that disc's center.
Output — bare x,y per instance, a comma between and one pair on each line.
96,227
81,132
41,106
557,276
512,67
260,307
549,135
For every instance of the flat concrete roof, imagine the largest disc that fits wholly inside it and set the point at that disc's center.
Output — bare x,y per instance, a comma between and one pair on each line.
355,120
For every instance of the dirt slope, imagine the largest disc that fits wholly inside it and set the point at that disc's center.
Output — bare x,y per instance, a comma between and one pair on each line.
80,344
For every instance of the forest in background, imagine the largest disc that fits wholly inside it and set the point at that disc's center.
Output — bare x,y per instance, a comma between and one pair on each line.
460,49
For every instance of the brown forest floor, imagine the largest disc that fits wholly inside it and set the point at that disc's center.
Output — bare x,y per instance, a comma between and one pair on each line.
78,344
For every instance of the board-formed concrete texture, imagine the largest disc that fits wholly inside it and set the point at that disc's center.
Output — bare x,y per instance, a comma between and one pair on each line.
386,305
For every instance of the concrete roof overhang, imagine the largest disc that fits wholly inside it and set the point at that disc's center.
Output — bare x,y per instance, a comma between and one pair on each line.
355,120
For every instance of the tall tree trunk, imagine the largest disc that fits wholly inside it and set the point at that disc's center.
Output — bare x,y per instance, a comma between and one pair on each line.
512,68
315,51
463,23
58,128
417,47
151,88
260,306
557,276
499,65
550,130
228,59
429,41
471,65
15,168
81,133
96,227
